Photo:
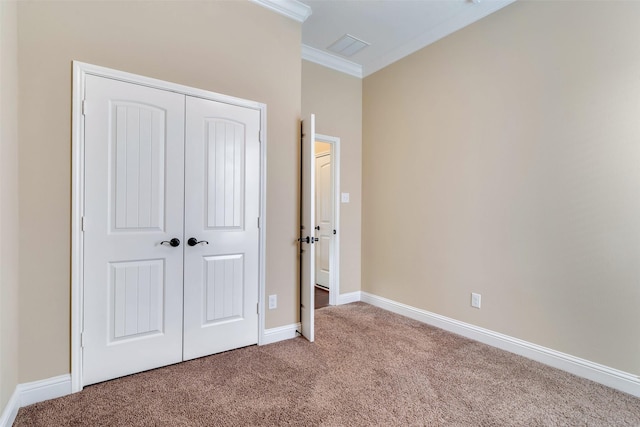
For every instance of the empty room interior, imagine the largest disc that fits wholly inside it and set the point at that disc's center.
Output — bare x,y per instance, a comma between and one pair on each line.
483,182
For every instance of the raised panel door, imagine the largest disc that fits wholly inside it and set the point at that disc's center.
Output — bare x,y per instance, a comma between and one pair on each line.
134,190
222,158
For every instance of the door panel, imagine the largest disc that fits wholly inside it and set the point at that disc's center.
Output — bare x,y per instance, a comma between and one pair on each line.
134,138
138,175
221,207
223,288
324,218
307,256
224,148
136,292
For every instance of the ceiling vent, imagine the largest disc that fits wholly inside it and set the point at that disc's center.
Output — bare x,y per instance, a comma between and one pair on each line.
348,45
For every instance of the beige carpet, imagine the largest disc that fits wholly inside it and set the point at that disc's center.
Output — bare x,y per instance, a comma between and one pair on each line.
367,367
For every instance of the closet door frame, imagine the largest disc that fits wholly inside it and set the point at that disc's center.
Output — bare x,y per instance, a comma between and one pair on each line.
80,71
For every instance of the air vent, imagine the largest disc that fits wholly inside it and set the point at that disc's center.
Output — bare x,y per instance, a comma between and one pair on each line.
348,45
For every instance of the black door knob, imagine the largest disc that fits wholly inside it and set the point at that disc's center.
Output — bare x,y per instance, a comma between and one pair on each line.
173,242
193,241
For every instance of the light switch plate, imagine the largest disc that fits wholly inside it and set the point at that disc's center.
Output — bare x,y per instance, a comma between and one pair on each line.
345,198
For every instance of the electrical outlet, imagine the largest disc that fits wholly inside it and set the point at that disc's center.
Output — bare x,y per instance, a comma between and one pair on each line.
475,300
273,302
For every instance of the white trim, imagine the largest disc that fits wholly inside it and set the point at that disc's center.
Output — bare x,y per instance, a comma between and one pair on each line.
290,8
605,375
262,269
38,391
33,392
80,71
334,261
10,410
280,333
77,210
468,16
331,61
110,73
350,297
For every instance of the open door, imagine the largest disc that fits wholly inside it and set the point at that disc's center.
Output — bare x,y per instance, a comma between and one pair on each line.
307,230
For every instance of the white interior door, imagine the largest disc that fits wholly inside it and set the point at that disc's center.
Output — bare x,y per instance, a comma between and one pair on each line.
134,183
307,232
222,172
324,218
152,295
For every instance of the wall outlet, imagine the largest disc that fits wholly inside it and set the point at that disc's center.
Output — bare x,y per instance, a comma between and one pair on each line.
475,300
344,197
273,302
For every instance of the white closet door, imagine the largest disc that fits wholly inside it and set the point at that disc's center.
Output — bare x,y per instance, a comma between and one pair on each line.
222,171
134,185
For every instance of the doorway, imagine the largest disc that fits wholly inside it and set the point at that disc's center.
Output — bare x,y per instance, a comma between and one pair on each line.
326,206
168,242
309,228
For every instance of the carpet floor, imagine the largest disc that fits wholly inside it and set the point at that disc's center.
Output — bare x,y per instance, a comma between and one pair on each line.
366,367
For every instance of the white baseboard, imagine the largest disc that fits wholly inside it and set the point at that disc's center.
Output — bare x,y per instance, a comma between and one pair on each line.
10,410
605,375
38,391
349,297
280,333
34,392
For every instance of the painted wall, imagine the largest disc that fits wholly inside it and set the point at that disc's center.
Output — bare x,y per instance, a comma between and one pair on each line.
235,48
336,100
8,201
504,160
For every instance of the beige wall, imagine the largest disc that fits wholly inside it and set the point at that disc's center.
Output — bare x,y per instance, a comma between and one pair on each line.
8,201
505,160
336,100
236,48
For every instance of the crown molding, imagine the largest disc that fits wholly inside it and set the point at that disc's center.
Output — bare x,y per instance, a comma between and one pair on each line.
331,61
290,8
473,13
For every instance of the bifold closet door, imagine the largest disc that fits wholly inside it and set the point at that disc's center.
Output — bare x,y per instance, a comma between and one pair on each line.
134,201
222,194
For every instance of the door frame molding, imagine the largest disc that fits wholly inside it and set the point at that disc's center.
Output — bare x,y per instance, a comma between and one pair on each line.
80,71
334,255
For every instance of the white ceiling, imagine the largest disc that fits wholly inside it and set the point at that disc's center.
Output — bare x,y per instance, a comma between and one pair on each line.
394,28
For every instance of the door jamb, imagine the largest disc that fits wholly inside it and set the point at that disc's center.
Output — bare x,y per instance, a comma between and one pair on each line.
334,255
80,71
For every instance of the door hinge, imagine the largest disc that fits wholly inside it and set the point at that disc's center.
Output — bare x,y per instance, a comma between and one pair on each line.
260,137
82,339
258,308
84,107
83,223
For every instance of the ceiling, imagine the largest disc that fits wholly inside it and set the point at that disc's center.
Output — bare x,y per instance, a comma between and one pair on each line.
394,28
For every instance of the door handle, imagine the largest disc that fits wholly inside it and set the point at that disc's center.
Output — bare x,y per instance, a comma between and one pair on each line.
193,241
173,242
318,227
304,239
